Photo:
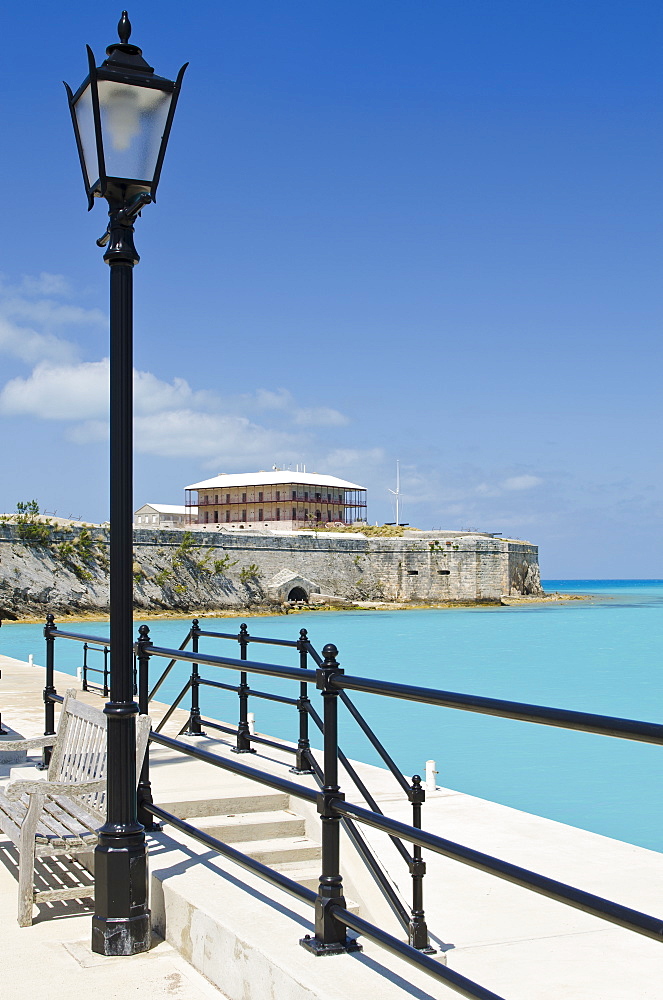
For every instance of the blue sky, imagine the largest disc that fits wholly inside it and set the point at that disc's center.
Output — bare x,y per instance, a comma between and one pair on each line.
427,231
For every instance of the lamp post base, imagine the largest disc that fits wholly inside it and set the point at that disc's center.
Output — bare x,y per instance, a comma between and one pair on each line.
113,936
121,923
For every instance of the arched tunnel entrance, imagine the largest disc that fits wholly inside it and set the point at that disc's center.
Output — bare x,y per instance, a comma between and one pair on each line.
298,594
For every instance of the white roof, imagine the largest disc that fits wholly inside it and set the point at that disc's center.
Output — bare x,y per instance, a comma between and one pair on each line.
163,508
278,478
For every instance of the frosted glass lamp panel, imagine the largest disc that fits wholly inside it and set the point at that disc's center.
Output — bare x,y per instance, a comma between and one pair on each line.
85,122
133,120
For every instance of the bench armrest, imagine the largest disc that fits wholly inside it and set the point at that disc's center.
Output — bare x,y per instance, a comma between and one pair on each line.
21,787
34,744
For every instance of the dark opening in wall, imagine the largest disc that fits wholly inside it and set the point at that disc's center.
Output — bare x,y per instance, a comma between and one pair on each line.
443,572
298,594
413,572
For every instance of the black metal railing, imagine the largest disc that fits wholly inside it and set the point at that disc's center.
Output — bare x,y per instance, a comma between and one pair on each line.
332,919
91,684
412,920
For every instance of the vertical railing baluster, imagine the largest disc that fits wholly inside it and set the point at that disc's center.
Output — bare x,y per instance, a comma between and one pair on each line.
144,784
418,930
330,934
84,677
303,759
49,689
194,728
243,730
105,671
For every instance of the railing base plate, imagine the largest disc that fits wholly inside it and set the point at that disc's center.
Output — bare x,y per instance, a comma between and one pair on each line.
319,949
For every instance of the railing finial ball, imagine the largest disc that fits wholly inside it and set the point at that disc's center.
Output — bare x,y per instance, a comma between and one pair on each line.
330,652
144,631
195,623
416,779
244,628
303,633
50,619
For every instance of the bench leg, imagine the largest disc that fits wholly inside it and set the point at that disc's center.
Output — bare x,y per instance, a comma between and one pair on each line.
26,868
26,860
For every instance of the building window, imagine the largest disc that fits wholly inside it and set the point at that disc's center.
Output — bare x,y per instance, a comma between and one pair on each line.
318,515
278,494
260,513
294,513
216,517
227,516
413,572
329,498
260,497
306,495
244,501
205,499
206,517
278,513
216,498
243,515
294,494
318,496
227,497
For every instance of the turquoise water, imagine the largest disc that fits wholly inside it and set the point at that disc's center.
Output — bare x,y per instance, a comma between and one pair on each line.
601,655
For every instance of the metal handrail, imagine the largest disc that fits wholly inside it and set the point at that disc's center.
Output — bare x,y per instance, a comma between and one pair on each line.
603,725
597,906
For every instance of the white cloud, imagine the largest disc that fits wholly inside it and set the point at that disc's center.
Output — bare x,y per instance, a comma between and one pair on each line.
344,457
268,399
283,400
524,482
32,321
320,416
220,437
59,392
81,391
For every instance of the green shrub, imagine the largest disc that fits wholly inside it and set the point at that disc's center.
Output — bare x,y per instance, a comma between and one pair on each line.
31,528
221,565
249,573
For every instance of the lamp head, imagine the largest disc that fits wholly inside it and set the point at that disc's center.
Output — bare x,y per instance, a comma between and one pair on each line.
122,114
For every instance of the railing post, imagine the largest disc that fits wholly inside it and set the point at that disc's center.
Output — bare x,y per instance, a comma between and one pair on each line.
84,677
105,671
303,759
144,784
49,689
418,929
330,934
243,730
194,715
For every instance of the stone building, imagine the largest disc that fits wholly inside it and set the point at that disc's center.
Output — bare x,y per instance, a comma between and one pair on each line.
160,515
279,499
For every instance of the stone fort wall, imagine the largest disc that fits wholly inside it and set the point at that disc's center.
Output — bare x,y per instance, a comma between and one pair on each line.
199,570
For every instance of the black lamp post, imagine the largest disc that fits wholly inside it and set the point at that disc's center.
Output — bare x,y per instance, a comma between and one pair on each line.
122,114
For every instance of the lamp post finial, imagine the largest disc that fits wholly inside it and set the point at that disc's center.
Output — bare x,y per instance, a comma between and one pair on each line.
124,28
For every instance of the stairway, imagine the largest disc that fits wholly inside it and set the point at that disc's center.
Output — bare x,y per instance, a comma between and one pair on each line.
262,826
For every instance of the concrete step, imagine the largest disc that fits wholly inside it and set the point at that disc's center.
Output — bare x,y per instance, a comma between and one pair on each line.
280,849
307,873
272,825
188,805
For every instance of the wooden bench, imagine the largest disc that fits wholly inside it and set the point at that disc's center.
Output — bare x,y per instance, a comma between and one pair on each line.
61,814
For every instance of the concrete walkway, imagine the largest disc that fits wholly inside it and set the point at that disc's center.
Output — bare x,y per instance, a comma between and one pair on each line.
243,935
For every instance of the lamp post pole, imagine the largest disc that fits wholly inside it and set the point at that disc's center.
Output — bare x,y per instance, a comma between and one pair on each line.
122,115
121,922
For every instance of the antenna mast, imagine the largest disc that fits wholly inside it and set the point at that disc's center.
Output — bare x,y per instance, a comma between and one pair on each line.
397,491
